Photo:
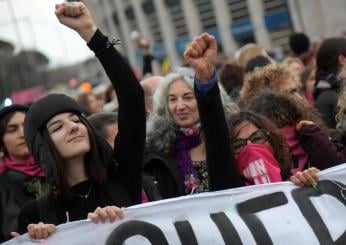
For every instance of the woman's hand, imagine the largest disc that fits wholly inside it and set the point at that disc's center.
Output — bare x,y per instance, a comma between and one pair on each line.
201,54
110,213
40,230
307,177
303,123
15,234
76,16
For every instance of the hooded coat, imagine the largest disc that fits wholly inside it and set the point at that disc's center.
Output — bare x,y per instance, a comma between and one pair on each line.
16,188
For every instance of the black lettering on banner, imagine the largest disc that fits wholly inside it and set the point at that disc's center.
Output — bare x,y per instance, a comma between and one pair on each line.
226,228
302,198
248,209
185,233
136,227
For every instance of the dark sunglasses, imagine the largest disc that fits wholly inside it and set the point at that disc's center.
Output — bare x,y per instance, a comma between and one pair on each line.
258,137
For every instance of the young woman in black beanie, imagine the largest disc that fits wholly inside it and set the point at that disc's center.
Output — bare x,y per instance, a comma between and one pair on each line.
21,179
86,177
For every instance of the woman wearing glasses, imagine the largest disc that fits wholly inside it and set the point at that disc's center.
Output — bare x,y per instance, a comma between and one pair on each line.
262,155
255,146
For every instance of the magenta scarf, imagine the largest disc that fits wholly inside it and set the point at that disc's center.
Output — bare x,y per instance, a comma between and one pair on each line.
28,167
299,156
186,139
257,164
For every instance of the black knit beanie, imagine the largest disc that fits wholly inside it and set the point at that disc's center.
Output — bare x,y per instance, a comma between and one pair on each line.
49,106
36,139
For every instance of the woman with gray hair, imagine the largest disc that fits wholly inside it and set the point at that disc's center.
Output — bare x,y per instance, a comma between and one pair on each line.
176,155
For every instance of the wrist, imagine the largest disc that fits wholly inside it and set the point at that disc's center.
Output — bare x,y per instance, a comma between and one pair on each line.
205,75
146,52
88,33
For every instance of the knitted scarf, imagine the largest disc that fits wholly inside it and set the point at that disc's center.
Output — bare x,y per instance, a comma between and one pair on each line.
187,138
28,167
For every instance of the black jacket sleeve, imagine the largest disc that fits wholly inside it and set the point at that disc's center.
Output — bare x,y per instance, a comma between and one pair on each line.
147,67
130,141
220,160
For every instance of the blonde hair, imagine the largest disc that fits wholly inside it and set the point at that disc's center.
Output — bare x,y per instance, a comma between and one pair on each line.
289,60
269,77
249,52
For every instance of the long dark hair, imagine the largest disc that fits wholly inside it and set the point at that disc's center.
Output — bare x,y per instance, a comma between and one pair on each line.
92,162
276,140
327,59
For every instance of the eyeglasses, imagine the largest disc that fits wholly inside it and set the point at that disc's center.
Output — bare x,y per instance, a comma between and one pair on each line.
258,137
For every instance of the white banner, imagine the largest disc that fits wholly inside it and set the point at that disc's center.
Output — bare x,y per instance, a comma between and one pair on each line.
278,213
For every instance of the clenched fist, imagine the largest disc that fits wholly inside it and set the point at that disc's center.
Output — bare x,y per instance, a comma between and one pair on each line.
76,16
201,54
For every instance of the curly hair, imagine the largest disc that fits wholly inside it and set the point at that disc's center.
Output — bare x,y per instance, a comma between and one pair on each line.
341,107
269,77
285,110
160,125
276,140
277,107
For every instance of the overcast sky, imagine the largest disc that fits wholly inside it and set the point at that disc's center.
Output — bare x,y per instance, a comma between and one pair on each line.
39,29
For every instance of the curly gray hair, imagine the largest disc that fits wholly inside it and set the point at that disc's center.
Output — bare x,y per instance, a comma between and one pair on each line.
161,126
341,110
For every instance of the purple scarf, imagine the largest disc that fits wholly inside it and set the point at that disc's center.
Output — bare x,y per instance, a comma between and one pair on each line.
184,142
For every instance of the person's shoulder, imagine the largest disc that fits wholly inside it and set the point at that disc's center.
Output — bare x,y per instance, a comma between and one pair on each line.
326,96
153,154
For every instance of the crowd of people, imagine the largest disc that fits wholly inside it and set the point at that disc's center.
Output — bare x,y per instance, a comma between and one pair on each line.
196,129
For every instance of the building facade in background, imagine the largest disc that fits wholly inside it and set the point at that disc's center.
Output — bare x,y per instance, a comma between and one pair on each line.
171,24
